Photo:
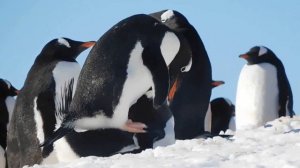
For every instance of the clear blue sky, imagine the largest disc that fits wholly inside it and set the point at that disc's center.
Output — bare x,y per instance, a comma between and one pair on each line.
227,28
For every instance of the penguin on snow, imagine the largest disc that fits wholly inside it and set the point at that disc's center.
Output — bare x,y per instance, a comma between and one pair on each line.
263,92
111,80
39,107
7,103
190,75
222,112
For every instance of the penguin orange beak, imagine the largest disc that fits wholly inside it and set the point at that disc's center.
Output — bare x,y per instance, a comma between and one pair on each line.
88,44
217,83
245,56
17,91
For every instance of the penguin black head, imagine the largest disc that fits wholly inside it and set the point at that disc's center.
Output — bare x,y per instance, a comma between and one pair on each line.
173,19
259,54
7,89
64,49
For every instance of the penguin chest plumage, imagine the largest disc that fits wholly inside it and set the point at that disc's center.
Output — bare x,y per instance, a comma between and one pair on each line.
257,95
10,104
65,75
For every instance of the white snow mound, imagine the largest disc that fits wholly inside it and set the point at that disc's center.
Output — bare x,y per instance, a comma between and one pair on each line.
275,145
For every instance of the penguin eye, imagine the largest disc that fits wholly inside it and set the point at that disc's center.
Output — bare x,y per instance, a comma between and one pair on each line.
64,42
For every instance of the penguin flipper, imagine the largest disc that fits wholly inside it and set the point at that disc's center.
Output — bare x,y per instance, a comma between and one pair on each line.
59,133
154,61
285,94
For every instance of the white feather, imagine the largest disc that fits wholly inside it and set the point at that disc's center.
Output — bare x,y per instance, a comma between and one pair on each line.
257,96
169,47
64,42
262,51
207,120
63,73
38,122
169,138
166,15
231,125
10,105
187,67
2,158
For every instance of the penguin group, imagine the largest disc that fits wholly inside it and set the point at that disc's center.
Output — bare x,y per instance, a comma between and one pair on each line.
146,82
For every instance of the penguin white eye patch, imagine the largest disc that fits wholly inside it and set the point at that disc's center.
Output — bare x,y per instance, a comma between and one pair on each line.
166,15
64,42
262,51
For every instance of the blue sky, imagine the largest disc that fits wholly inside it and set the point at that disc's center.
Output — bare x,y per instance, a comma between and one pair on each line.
227,28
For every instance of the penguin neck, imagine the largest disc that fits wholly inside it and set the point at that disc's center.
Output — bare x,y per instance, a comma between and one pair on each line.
200,58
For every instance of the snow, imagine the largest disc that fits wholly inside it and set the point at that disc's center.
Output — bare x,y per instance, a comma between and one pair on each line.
276,145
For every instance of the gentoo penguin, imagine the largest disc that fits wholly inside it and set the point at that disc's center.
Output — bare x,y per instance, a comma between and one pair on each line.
125,63
52,77
190,74
263,92
7,103
222,112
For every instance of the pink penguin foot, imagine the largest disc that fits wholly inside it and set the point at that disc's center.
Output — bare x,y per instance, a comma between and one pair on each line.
134,127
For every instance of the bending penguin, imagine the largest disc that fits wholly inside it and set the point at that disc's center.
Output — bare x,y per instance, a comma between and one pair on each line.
38,110
263,92
190,75
111,80
222,112
7,103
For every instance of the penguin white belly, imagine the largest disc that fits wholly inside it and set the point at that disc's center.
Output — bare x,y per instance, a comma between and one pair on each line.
257,96
2,158
10,105
63,73
138,81
207,120
169,138
231,124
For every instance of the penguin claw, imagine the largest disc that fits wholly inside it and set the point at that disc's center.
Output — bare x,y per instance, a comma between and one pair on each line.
134,127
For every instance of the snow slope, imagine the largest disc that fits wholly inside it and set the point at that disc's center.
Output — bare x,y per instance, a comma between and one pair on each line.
277,145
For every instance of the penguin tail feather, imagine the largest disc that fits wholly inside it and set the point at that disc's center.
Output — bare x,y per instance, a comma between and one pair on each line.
59,133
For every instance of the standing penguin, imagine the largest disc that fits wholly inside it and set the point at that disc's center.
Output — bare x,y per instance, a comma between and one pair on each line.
7,103
263,92
190,75
112,80
39,105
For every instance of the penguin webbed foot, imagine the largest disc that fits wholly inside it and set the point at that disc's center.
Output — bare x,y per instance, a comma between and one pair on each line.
62,131
134,127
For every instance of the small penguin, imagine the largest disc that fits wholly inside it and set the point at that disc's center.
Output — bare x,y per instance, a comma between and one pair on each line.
48,90
263,92
7,103
222,115
190,76
111,80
